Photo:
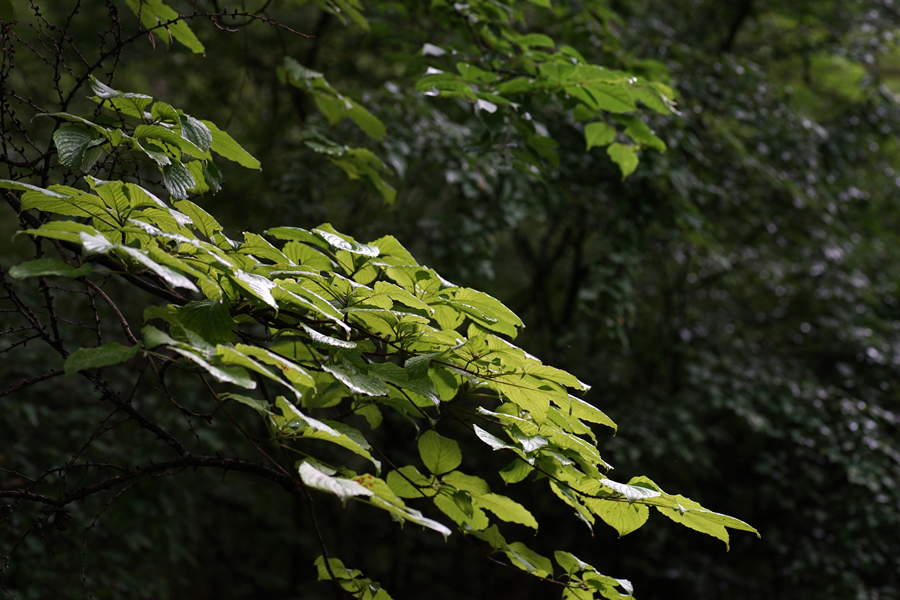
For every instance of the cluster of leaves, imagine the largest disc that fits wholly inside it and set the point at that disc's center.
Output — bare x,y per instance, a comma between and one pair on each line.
355,162
179,144
511,68
345,327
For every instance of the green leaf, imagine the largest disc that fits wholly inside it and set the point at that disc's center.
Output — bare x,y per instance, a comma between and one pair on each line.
529,397
470,73
260,248
99,244
358,382
417,366
226,147
111,192
326,340
492,536
337,567
202,220
306,256
79,204
371,413
411,515
463,501
343,242
570,563
532,40
291,416
446,88
235,375
294,373
257,285
517,86
621,516
605,95
491,440
298,234
458,506
470,483
340,487
260,406
69,231
599,134
300,296
211,319
154,13
130,104
632,493
625,157
195,132
231,356
559,72
655,99
580,409
153,337
516,471
529,560
43,267
506,509
72,141
391,373
92,358
641,133
158,133
178,180
295,74
398,294
369,123
160,158
407,482
24,187
439,454
692,515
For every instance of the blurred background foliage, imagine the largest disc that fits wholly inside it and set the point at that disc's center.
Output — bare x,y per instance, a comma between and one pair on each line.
734,302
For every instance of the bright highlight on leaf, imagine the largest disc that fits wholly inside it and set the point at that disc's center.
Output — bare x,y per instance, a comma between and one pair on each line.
317,479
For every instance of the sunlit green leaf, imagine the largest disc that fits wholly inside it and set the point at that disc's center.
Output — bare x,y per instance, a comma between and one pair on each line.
226,147
599,134
340,487
528,560
439,454
625,157
506,509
